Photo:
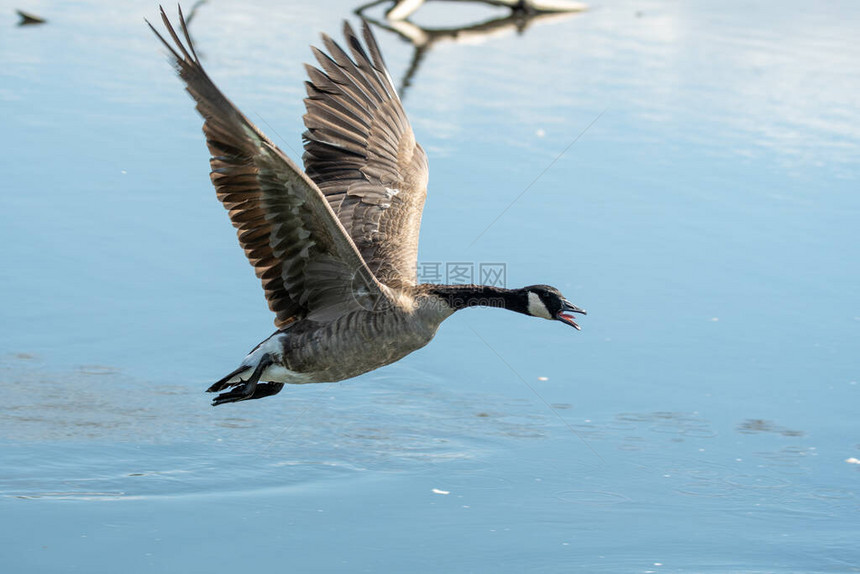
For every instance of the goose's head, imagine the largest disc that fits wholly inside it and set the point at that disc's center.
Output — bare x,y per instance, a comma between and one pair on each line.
548,302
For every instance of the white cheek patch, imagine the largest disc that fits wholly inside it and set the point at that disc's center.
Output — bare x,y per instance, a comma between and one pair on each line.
536,306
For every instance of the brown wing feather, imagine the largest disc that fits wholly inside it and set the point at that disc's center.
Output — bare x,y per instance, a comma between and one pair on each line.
361,152
304,257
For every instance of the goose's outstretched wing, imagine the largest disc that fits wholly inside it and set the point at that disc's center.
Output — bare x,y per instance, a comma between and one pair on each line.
361,152
308,265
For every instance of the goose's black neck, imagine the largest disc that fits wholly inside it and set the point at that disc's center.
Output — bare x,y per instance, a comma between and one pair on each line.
461,296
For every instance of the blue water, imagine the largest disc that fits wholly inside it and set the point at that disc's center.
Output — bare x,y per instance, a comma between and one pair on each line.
704,420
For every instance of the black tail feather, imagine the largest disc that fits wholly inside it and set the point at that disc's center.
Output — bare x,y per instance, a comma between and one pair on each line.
248,388
223,384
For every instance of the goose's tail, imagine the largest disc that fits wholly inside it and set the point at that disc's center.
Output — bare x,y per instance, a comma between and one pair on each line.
230,380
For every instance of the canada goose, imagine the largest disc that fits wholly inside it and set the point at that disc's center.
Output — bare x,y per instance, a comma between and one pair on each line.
335,246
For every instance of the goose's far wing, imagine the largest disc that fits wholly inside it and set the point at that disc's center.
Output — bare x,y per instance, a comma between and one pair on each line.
306,261
361,152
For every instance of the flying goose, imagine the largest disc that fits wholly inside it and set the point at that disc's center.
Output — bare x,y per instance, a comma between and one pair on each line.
335,246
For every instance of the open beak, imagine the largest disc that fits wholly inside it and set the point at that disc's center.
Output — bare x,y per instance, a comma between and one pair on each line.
565,315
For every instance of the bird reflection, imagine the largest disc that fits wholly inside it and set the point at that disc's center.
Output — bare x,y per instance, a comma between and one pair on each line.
28,19
523,14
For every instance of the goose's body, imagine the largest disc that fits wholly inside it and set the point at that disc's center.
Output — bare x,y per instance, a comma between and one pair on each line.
335,246
317,352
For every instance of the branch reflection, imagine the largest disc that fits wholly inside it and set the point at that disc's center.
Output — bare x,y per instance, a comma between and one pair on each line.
523,14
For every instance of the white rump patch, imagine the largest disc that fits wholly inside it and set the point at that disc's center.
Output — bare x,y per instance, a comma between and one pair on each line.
536,306
271,346
275,373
